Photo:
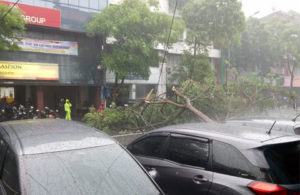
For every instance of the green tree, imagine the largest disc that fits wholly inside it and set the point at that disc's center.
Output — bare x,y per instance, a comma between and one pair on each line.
213,21
255,51
12,24
285,33
209,22
136,31
191,67
219,103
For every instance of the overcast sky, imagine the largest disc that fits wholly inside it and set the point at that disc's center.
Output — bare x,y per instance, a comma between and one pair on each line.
266,7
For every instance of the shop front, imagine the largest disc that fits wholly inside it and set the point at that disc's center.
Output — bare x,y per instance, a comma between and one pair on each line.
53,63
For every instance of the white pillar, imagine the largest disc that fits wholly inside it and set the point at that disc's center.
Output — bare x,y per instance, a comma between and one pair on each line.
162,88
132,94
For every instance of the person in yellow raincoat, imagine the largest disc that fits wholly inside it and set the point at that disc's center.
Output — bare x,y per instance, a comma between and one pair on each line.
68,106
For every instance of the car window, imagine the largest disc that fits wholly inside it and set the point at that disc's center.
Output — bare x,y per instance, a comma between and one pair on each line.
150,146
230,161
297,131
9,175
105,170
188,151
284,161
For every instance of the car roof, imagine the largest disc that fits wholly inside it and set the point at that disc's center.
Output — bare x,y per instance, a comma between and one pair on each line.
267,121
286,126
51,135
243,137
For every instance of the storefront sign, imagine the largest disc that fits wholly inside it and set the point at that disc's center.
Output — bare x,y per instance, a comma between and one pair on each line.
49,46
28,70
38,15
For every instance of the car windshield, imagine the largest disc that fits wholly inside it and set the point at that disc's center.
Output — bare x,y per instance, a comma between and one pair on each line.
101,170
284,161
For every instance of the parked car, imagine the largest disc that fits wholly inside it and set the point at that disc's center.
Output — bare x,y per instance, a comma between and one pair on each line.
220,159
55,156
284,126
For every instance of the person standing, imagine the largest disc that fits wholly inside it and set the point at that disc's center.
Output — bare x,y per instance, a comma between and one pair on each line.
101,109
61,108
68,106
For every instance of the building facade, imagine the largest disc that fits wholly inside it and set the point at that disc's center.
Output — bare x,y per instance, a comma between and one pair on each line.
57,60
159,78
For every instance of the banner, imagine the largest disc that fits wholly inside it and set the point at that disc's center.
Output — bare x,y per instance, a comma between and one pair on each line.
28,70
49,46
38,15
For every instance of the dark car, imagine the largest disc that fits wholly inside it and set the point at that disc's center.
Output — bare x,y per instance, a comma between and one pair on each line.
220,159
55,156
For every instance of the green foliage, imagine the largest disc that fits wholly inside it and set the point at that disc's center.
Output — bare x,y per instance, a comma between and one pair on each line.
242,96
217,21
273,41
191,67
255,51
110,120
12,24
206,96
120,119
180,4
136,31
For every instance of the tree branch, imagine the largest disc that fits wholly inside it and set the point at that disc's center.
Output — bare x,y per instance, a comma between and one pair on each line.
163,101
163,123
191,107
142,117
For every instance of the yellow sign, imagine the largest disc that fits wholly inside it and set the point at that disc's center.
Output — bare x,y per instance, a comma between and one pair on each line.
28,70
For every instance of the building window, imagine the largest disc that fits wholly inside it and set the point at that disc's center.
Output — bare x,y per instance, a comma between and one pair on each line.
64,1
73,2
94,4
84,3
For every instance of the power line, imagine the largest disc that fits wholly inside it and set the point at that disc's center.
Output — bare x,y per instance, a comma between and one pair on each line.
167,45
3,17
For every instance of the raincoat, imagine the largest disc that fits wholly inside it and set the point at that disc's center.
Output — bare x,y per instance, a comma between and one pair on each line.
68,106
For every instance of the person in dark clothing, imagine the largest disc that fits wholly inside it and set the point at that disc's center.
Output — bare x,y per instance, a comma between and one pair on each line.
61,108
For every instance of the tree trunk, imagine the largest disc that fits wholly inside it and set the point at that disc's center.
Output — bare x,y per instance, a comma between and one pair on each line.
291,69
191,107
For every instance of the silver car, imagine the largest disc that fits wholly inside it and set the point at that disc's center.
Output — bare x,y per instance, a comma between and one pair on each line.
54,156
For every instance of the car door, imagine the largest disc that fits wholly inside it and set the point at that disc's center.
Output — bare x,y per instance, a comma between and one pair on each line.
148,150
232,171
9,174
185,164
3,148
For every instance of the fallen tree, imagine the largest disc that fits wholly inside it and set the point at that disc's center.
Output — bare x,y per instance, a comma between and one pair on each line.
192,101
